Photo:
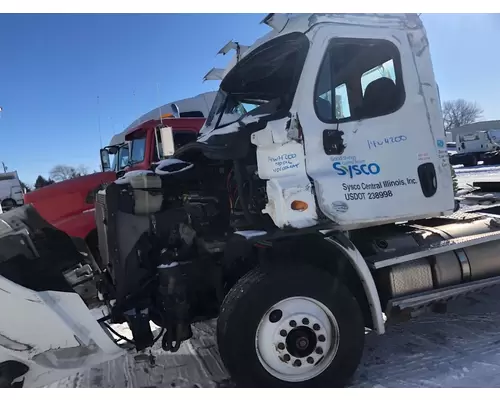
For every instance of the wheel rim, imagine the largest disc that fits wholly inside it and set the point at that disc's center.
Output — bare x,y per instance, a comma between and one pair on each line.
297,339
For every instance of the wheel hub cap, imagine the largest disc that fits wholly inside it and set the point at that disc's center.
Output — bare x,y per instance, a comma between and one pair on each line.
301,343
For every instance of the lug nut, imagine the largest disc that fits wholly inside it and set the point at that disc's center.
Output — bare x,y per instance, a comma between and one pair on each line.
286,357
305,321
321,338
275,316
310,360
319,350
302,343
316,327
283,333
297,363
293,324
281,346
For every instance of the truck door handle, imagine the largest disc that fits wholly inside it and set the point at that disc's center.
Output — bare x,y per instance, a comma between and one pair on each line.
428,180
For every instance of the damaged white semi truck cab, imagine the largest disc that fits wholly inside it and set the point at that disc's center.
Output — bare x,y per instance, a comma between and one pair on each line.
317,202
352,126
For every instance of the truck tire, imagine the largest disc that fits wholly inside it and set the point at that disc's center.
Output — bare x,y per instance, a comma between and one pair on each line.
8,204
471,161
293,327
492,158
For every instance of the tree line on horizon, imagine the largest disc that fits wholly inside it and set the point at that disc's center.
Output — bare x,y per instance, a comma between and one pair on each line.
58,173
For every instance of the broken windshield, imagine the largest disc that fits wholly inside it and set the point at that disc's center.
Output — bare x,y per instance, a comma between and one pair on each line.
263,82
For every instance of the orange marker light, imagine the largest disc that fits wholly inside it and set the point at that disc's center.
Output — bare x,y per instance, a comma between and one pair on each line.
299,205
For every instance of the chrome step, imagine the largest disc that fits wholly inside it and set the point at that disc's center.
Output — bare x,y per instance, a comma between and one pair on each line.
416,301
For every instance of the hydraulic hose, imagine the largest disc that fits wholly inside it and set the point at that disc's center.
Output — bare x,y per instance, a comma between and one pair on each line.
238,174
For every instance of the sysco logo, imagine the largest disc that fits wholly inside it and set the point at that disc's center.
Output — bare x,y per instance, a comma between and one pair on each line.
356,169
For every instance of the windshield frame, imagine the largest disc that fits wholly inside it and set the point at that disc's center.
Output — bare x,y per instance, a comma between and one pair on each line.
232,93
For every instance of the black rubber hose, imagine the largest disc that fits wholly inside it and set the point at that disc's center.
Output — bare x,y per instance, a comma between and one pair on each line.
159,335
239,182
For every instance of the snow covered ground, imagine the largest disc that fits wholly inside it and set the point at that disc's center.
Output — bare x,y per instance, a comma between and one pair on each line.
458,349
466,175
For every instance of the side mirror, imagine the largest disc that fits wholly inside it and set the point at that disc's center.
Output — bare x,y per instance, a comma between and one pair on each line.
167,141
105,163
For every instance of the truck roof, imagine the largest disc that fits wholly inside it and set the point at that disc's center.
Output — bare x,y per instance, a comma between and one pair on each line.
283,24
9,175
200,104
117,139
177,123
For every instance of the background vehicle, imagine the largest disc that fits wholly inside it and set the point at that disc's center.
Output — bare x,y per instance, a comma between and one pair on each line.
294,223
11,191
475,147
144,142
69,205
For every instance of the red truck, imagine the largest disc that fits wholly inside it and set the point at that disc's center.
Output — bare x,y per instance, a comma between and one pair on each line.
69,205
144,141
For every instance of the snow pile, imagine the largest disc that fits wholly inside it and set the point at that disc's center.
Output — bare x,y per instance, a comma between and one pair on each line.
196,364
456,349
125,179
172,166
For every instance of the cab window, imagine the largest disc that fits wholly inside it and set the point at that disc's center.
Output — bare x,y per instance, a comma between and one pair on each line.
122,158
138,151
358,79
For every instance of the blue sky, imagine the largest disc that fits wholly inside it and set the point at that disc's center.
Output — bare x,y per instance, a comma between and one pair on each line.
53,67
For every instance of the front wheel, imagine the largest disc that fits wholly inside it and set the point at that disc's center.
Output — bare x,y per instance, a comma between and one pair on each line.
471,161
8,205
295,327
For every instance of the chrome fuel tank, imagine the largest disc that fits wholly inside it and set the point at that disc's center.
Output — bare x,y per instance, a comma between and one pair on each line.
438,271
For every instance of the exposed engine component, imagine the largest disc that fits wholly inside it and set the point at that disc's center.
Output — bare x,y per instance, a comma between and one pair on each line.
165,233
174,302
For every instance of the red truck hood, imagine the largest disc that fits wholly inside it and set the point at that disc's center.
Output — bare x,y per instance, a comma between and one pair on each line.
63,199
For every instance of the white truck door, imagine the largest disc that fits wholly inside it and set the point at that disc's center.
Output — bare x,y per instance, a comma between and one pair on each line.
17,192
373,132
5,187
